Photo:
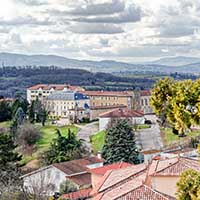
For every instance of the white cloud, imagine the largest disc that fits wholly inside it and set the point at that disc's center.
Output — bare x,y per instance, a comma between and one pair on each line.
97,29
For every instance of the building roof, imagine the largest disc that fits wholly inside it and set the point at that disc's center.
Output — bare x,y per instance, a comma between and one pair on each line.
121,112
145,93
114,177
143,192
85,193
108,93
67,95
102,170
174,166
107,107
56,87
81,179
76,166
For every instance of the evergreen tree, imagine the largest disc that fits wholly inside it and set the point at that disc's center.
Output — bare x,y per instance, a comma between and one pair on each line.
120,144
19,116
31,113
5,111
64,149
10,181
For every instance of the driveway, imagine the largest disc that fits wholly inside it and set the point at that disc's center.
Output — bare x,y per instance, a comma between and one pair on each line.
85,131
150,138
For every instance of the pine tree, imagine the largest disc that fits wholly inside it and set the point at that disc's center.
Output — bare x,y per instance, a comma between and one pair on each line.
120,144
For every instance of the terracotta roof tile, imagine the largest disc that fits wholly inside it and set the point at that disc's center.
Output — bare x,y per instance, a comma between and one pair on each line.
144,192
145,93
76,166
85,193
55,86
176,167
122,112
109,93
114,177
81,179
102,170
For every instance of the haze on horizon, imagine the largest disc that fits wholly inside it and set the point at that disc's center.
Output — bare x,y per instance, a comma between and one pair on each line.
125,30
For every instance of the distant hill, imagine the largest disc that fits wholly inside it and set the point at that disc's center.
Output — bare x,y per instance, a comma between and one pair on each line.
176,61
164,65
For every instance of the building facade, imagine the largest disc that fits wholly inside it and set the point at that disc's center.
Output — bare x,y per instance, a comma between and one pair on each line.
67,105
110,98
42,91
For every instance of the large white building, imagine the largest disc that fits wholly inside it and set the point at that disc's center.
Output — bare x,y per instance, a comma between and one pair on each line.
67,105
42,91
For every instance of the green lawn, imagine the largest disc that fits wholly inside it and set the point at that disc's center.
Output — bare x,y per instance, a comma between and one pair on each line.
49,133
98,141
169,136
143,126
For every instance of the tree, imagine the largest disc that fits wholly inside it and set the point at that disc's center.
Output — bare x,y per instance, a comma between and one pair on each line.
64,148
188,186
120,144
19,102
67,187
8,155
19,116
31,112
5,111
178,102
10,181
27,135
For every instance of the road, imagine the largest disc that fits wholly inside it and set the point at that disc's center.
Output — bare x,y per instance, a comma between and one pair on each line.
150,138
85,131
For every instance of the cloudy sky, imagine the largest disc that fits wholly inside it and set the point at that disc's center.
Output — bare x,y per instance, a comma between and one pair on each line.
126,30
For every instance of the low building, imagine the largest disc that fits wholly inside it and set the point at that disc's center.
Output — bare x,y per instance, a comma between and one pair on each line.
42,91
68,105
96,111
110,98
47,180
135,117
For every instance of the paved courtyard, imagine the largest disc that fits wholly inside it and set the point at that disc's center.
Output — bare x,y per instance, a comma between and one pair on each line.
150,138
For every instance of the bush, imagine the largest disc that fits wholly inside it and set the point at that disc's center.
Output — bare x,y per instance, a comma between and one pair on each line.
67,187
28,135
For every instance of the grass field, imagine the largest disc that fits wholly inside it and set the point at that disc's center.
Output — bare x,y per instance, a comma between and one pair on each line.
169,136
48,133
5,124
98,141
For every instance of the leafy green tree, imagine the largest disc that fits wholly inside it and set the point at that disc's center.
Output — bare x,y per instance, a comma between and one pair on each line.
188,186
64,148
5,111
120,144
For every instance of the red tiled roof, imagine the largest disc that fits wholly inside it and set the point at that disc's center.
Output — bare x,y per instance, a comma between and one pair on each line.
122,112
108,93
102,170
143,192
54,86
7,99
76,166
145,93
85,193
114,177
107,107
81,179
175,167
